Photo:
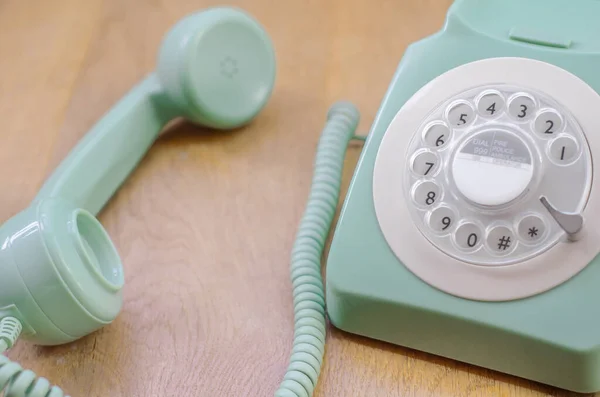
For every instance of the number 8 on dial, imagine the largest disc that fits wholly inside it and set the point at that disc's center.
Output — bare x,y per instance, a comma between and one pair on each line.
427,193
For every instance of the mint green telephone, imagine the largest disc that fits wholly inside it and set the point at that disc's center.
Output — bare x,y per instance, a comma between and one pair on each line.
467,230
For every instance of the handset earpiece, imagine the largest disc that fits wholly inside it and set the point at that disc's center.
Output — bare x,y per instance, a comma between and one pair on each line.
218,66
60,274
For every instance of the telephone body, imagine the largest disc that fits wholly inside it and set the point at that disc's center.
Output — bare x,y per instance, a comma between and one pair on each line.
461,233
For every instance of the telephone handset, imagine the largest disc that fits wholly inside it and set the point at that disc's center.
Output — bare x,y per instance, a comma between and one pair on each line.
61,275
470,229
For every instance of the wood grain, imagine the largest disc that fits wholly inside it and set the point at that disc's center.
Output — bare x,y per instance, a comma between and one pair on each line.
206,223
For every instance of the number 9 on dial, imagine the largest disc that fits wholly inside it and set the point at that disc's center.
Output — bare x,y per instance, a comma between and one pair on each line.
442,219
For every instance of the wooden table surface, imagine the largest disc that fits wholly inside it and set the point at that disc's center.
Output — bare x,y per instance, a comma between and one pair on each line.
205,225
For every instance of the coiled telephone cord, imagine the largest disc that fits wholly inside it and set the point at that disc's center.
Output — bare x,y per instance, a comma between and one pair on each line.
309,294
14,380
308,291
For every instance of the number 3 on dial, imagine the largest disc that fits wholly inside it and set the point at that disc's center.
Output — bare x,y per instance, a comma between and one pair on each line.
523,112
521,107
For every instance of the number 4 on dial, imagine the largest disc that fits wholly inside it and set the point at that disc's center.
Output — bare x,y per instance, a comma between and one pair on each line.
490,104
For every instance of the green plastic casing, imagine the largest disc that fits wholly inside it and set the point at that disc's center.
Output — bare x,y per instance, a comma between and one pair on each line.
60,274
552,338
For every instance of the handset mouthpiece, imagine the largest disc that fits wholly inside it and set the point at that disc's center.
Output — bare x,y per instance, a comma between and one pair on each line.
61,272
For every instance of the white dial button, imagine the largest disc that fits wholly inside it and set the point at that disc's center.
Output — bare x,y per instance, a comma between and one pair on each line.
460,114
442,219
436,135
425,164
490,104
492,167
468,236
521,107
531,228
500,240
563,150
427,194
548,123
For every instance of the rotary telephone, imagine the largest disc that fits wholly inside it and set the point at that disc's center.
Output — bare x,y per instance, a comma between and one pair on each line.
467,231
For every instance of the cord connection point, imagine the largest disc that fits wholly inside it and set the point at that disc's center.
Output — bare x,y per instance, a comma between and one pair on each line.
14,380
10,330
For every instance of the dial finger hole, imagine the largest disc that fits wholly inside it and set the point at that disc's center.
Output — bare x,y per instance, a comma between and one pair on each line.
531,229
468,236
500,240
460,114
564,150
548,123
521,107
426,194
490,104
437,135
442,219
425,164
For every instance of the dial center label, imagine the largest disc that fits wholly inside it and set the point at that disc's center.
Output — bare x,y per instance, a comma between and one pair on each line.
497,147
